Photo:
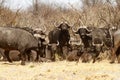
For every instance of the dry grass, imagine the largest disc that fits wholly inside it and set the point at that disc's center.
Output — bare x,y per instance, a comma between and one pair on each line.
60,71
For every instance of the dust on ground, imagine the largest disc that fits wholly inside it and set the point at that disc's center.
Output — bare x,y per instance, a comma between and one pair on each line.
60,70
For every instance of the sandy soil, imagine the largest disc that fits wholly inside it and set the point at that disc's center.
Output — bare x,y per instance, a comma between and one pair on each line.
60,70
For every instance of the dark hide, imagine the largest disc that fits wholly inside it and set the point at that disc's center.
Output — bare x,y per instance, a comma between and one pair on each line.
83,33
17,39
41,49
27,29
60,35
107,38
116,46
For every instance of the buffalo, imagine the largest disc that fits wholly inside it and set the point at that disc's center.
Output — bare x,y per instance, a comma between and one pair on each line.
102,39
116,46
94,40
40,35
107,37
60,35
83,33
32,31
17,39
97,42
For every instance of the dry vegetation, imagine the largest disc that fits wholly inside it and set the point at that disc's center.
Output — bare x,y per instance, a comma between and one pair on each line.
96,15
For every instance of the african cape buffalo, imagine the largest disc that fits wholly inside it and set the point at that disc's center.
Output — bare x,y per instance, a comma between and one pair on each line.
17,39
27,29
83,33
40,35
94,40
60,35
116,46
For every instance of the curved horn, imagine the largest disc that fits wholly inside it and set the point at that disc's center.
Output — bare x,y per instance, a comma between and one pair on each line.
60,23
66,22
93,43
86,28
57,43
101,44
54,24
1,58
96,44
69,42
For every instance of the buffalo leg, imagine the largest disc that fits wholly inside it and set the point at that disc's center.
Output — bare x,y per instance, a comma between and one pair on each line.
48,52
7,55
65,51
60,53
95,56
118,58
85,57
113,55
53,55
37,57
28,54
118,54
23,57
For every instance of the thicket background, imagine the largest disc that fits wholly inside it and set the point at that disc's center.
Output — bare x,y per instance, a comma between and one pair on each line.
95,13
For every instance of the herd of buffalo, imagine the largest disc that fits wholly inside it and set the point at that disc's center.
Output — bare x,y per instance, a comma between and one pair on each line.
32,43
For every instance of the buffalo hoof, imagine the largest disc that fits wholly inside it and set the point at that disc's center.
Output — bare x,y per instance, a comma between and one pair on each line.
93,62
22,63
112,62
10,61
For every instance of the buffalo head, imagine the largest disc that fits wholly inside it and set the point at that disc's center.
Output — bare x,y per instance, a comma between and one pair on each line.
85,35
82,31
107,36
63,31
40,33
97,43
63,26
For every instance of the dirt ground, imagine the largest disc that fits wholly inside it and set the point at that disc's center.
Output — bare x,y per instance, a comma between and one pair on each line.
60,70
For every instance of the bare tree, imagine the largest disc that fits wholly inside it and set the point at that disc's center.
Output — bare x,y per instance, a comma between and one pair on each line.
35,7
118,3
88,3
